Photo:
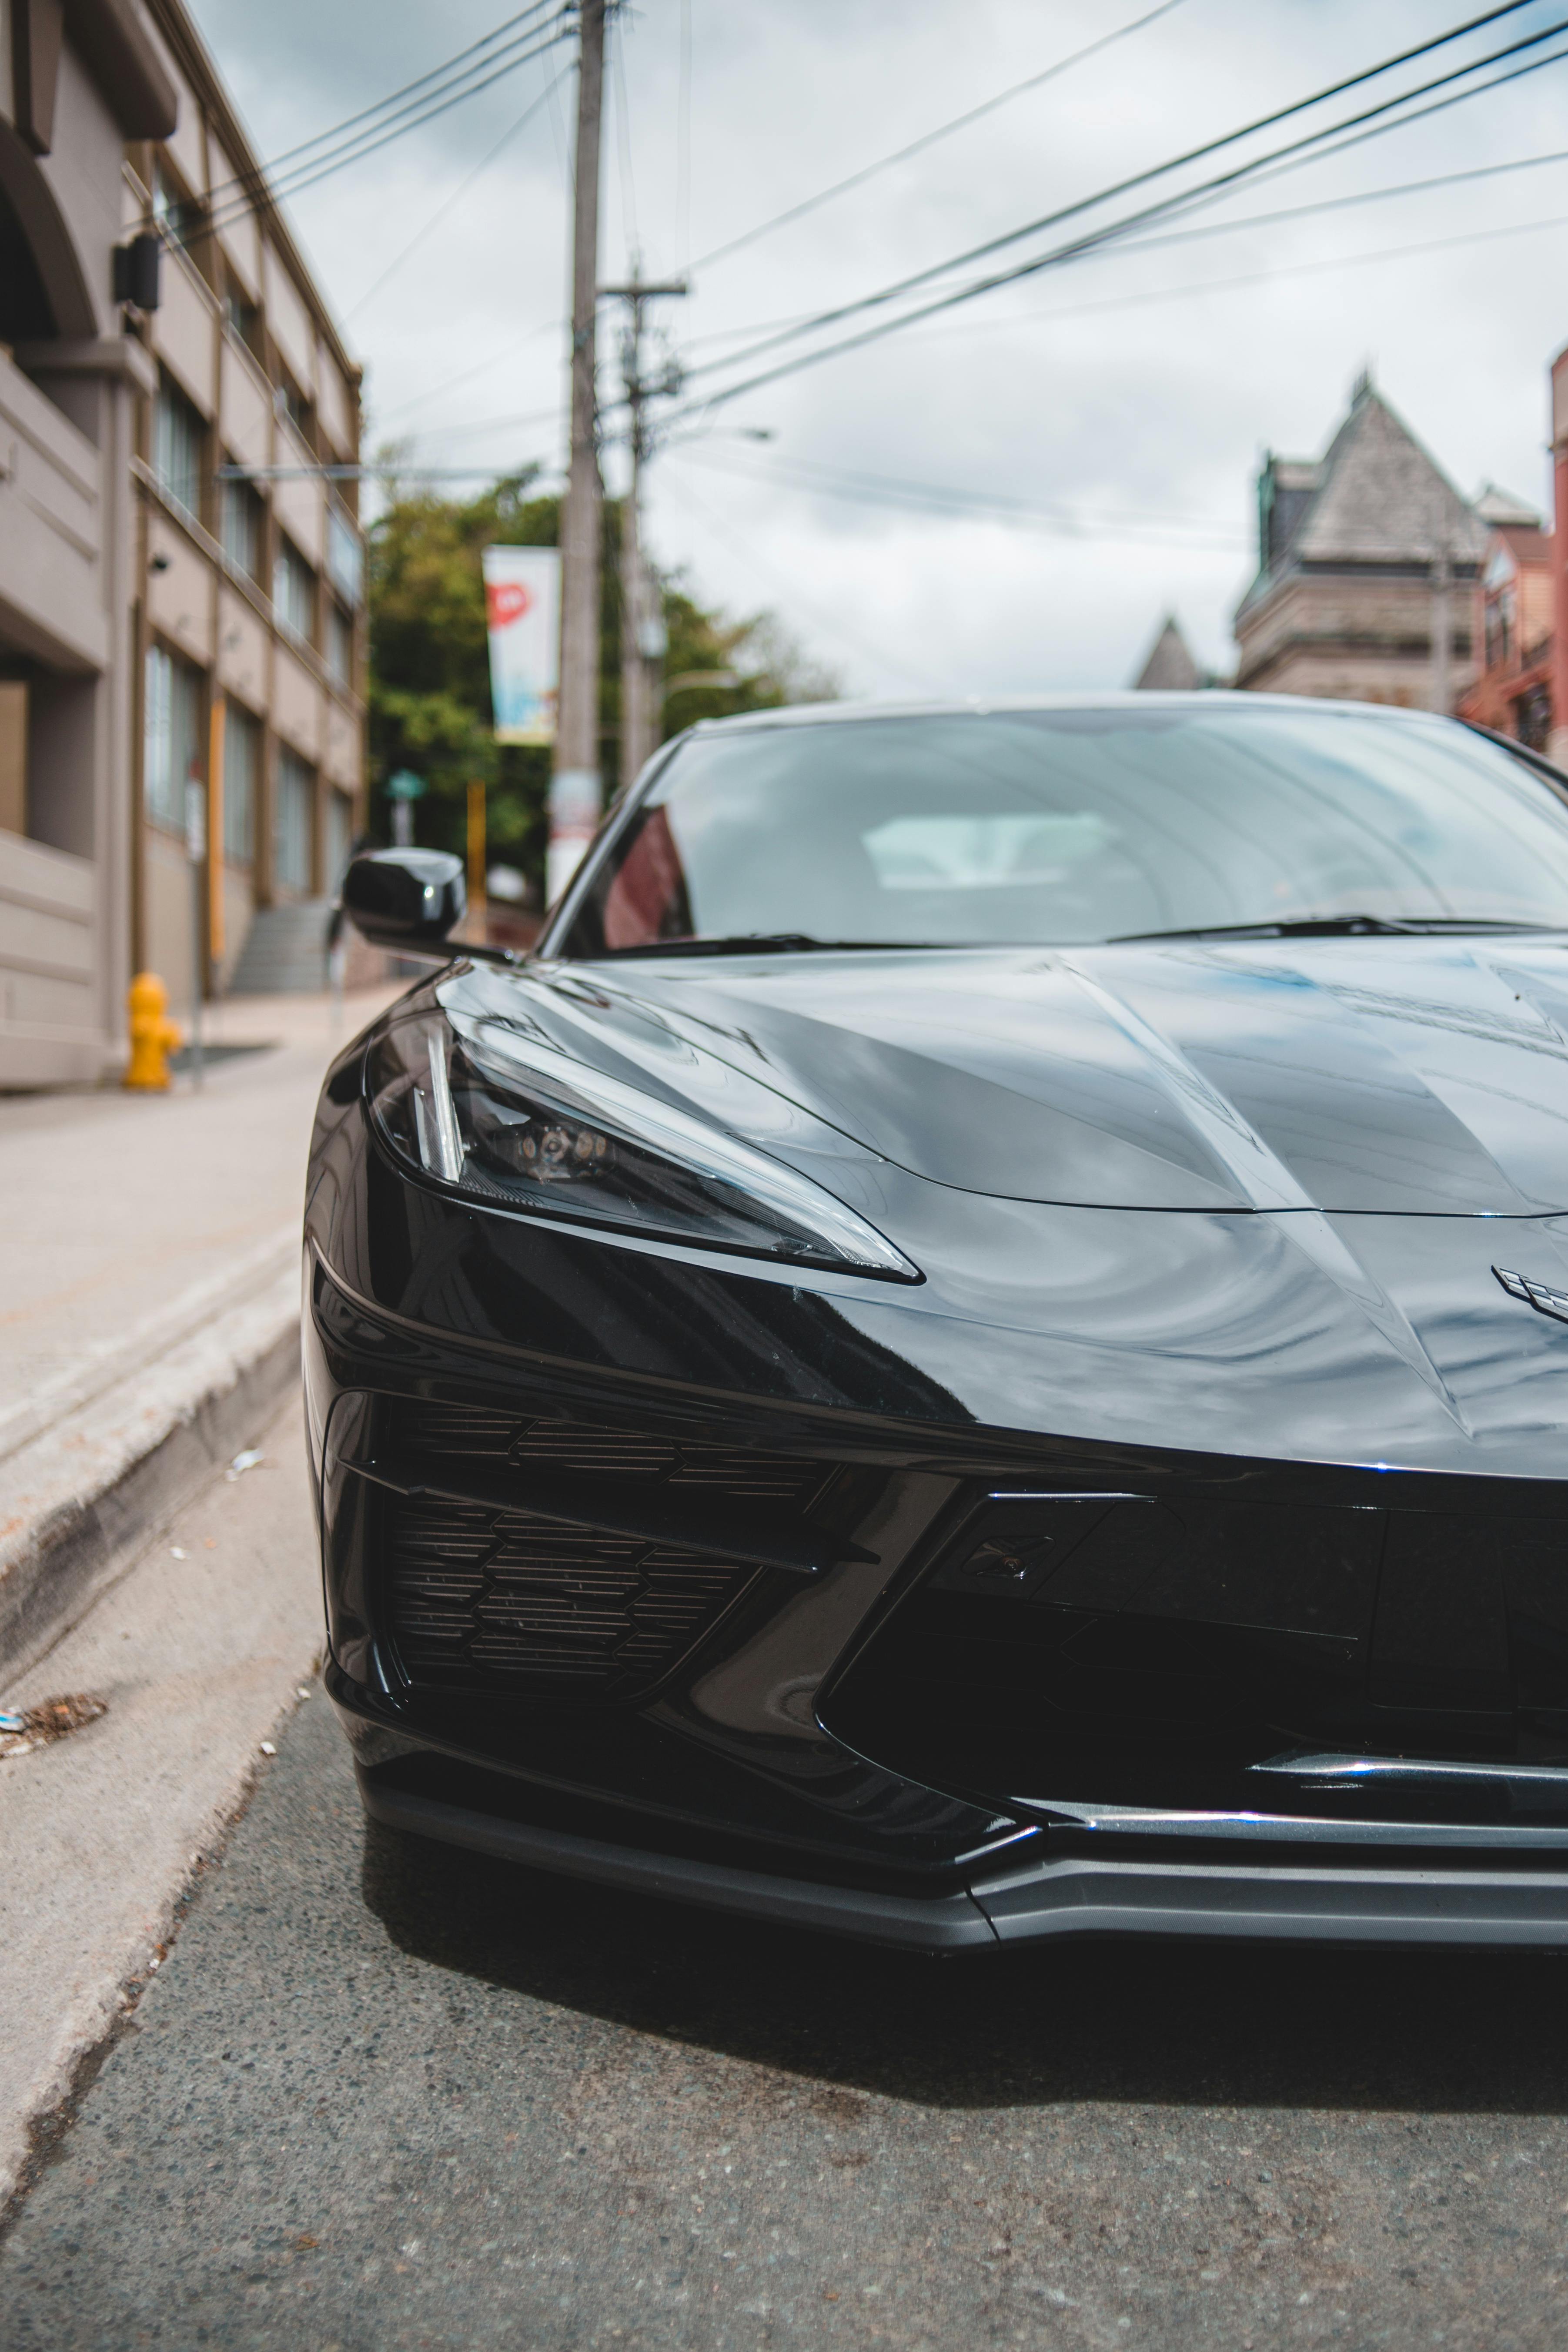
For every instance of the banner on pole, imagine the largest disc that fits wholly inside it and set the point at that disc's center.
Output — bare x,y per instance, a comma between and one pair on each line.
522,610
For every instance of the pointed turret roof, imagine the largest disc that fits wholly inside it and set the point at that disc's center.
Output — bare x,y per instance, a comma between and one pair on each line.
1503,511
1380,498
1169,666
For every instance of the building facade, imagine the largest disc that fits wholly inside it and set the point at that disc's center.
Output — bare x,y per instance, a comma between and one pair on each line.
1557,740
1514,615
1368,558
182,631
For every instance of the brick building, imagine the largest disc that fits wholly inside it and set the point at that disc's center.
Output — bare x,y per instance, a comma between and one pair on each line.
1353,549
180,569
1512,624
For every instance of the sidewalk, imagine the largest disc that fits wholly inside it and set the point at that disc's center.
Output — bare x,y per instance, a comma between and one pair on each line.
149,1295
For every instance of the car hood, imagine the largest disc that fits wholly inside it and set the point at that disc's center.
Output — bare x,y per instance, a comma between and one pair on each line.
1388,1073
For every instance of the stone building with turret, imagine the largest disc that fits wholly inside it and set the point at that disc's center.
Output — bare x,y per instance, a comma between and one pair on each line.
1367,557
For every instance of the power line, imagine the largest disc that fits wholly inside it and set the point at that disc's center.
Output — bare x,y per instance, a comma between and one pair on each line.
1260,277
459,193
1212,229
929,139
683,146
624,171
368,144
1159,171
244,181
507,424
939,497
296,185
1061,255
1257,171
1183,292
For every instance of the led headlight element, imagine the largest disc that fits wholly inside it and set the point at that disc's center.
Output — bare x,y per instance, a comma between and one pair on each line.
508,1120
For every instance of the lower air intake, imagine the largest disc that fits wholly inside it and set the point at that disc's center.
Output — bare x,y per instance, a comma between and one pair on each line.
482,1598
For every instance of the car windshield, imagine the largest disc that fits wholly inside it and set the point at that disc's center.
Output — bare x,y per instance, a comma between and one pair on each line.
1071,826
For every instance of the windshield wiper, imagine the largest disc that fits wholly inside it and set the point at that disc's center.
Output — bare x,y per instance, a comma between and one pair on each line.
1335,927
761,943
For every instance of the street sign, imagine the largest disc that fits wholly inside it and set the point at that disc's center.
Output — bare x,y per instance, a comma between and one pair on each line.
402,788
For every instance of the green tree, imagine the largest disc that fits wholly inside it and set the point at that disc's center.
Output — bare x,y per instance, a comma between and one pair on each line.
429,663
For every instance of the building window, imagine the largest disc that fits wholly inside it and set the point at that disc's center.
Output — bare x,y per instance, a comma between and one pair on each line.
241,766
339,643
290,401
242,521
291,824
171,738
179,218
294,592
240,316
178,438
345,556
1532,717
339,837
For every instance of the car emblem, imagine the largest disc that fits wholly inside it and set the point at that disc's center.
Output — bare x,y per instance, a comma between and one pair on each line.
1535,1294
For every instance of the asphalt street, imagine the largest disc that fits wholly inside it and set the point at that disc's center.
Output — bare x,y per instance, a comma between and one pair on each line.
382,2094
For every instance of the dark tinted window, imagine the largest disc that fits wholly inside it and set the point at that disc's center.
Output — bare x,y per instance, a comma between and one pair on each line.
1076,826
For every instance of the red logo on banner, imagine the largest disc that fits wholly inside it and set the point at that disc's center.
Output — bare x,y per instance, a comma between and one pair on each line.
507,601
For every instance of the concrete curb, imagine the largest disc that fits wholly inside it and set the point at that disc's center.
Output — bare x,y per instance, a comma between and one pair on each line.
198,1650
79,1501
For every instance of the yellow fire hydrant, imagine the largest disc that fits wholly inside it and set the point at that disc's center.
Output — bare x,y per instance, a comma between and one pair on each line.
153,1036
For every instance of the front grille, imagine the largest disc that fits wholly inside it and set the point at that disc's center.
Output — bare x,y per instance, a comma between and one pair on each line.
561,1447
485,1597
1182,1652
477,1596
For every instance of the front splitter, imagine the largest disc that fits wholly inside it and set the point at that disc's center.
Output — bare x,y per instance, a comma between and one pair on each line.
1074,1894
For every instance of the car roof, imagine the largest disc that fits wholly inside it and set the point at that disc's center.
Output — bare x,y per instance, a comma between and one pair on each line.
818,714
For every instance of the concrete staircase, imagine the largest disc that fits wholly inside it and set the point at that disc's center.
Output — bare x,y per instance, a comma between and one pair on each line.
285,952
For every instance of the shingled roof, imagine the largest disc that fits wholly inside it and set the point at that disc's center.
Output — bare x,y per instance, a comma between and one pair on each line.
1169,666
1378,499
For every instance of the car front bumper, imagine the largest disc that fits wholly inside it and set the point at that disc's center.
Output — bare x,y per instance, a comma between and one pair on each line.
794,1716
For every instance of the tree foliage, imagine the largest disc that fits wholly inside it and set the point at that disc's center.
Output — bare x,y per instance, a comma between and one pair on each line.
429,667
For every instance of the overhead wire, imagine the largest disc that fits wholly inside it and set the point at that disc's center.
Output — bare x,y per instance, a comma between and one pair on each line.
1056,257
930,138
624,142
244,180
459,193
1225,228
683,145
1186,291
942,498
802,322
292,186
912,283
1192,289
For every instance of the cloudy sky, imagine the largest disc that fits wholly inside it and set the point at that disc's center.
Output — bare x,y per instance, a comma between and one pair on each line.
1006,498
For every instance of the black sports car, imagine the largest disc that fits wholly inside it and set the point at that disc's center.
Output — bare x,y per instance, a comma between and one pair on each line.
977,1346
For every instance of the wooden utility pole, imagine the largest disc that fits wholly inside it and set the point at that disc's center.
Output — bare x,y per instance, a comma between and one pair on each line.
642,625
574,792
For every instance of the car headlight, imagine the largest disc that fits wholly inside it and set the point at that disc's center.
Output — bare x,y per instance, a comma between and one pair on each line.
510,1122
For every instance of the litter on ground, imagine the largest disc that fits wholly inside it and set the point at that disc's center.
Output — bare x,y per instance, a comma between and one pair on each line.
52,1719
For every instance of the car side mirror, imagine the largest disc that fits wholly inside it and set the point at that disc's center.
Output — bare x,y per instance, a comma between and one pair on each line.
407,898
